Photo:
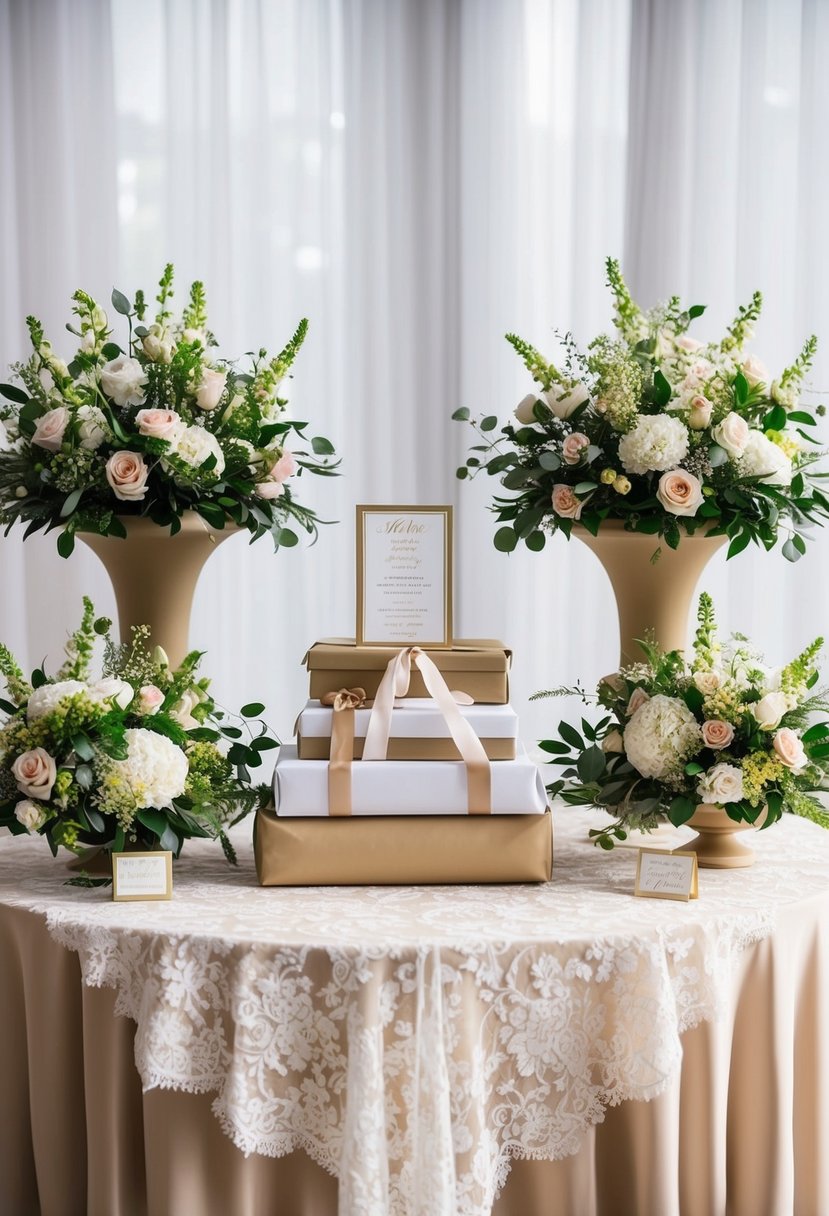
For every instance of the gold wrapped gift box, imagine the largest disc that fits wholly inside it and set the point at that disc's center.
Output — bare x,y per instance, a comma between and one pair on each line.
400,850
478,667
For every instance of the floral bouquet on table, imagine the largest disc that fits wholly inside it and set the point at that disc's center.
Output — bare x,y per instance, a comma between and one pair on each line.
659,430
133,757
723,729
156,427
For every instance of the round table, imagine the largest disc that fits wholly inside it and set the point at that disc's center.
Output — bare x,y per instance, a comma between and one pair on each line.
558,1048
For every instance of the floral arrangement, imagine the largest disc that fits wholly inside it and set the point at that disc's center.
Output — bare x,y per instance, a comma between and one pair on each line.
659,430
722,729
156,427
131,757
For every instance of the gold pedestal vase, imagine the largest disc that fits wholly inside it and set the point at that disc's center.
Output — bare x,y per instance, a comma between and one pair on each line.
717,843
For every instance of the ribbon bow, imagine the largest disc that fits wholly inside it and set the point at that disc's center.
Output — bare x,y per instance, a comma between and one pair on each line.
346,698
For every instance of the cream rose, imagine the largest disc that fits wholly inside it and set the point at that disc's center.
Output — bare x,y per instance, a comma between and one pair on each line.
613,742
127,474
564,400
524,409
150,700
686,343
573,447
754,370
732,434
565,502
707,682
35,773
123,380
637,699
159,424
717,734
182,711
680,492
158,344
118,691
210,389
284,468
722,783
790,750
269,489
770,709
30,815
699,414
50,429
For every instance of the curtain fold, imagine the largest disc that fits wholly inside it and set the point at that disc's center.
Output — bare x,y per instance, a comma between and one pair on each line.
417,179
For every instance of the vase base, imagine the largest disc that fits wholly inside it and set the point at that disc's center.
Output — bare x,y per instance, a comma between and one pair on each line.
720,851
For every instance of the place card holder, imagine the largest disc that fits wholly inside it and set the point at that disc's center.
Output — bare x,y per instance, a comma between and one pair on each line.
662,875
142,876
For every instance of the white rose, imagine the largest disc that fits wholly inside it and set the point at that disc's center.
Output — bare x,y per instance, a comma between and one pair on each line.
524,409
194,335
118,691
30,815
732,434
127,474
613,742
269,489
123,380
770,709
50,429
210,389
764,459
158,344
92,427
755,371
686,343
790,750
707,682
787,397
35,773
564,401
722,783
159,424
699,415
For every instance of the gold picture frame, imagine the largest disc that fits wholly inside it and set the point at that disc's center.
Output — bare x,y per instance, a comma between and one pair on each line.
130,892
667,855
396,518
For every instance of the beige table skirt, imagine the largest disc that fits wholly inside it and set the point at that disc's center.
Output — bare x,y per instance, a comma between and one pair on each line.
743,1132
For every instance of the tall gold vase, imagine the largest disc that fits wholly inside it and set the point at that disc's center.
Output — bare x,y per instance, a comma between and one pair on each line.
652,597
154,575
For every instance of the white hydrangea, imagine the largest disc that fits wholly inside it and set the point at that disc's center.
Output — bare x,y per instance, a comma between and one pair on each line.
657,442
762,458
196,444
47,698
660,736
155,769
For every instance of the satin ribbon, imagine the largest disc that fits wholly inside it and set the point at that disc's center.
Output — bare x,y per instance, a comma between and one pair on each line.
344,704
395,683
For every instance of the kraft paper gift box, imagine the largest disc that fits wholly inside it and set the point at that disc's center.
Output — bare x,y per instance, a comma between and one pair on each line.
418,731
405,787
400,849
477,667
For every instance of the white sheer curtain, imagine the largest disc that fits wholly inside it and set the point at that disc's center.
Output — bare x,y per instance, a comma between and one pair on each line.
417,177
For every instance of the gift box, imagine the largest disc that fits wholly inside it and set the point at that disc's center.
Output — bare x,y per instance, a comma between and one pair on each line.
479,668
393,850
418,731
405,787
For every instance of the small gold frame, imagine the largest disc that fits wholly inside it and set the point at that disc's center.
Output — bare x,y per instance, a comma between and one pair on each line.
156,894
693,891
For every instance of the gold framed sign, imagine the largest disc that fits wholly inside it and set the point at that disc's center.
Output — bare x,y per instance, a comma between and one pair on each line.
404,576
142,876
663,875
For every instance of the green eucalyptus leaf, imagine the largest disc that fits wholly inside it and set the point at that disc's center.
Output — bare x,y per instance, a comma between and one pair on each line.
120,302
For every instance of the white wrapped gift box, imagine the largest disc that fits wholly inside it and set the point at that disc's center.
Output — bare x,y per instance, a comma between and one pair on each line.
418,731
406,787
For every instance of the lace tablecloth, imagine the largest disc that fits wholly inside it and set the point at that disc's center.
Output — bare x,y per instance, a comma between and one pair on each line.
413,1041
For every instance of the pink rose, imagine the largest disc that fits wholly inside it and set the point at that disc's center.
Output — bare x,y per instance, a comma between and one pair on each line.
680,492
637,699
269,489
35,773
159,424
127,474
150,699
210,389
700,413
573,447
50,428
565,502
717,734
284,468
790,750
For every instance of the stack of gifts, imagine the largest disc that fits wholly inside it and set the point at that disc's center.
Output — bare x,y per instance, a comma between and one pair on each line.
407,769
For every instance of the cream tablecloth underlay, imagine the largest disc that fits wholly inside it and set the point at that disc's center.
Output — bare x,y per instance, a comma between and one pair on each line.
467,1026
